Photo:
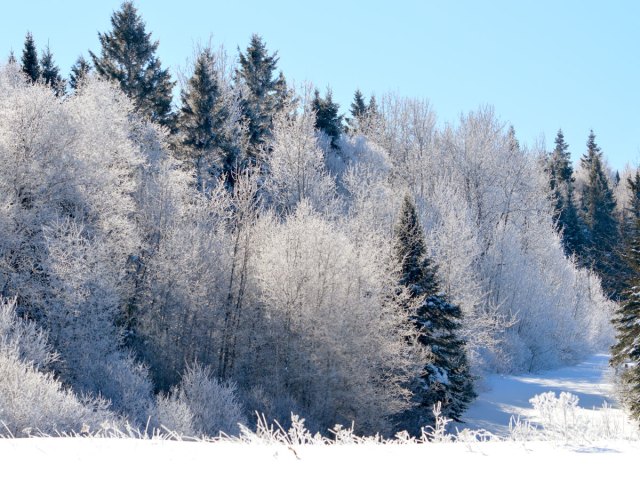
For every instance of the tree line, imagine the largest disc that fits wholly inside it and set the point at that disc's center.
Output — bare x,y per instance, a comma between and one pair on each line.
253,251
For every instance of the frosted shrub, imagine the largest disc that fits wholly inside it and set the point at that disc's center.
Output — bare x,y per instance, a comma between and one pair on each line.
560,418
213,406
33,402
174,415
23,338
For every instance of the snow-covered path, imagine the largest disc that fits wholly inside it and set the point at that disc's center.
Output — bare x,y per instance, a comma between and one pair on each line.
504,396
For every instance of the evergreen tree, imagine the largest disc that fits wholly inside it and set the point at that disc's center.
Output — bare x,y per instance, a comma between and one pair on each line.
263,91
327,118
50,73
202,123
446,378
79,72
626,350
629,232
128,57
358,110
12,58
30,65
566,217
598,204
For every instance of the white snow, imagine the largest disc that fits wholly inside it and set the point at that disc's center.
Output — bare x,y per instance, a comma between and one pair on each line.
72,458
504,396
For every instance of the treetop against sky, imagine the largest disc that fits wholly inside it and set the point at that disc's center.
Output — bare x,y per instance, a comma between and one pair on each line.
544,65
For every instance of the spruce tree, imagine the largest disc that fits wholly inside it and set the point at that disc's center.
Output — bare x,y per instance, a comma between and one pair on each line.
263,91
12,58
626,350
598,211
128,57
30,65
566,217
50,73
446,378
202,124
79,72
327,118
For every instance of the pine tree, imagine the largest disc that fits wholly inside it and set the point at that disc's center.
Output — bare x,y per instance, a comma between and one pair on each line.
12,58
30,65
79,72
626,350
128,57
598,204
446,378
561,180
327,118
263,91
50,73
202,124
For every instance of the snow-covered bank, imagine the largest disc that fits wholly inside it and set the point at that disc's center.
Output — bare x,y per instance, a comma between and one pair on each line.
504,396
72,458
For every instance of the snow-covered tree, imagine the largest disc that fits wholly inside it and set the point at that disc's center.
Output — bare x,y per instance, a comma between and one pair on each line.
295,162
446,378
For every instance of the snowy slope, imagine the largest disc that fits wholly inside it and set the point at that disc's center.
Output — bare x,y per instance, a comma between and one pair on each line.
503,396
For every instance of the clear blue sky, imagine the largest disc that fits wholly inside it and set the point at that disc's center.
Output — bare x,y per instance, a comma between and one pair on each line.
542,64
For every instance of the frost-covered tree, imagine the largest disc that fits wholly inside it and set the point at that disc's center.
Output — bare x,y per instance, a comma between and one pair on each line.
330,335
295,162
446,378
30,64
79,72
129,58
32,399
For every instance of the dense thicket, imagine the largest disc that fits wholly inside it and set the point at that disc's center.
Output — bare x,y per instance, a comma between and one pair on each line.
249,257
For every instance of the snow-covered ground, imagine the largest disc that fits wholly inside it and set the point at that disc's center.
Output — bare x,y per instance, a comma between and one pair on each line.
581,457
504,396
75,458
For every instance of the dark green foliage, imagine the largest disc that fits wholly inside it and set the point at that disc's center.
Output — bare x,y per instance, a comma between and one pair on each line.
327,118
203,124
50,73
598,212
372,109
358,111
446,378
128,57
263,92
30,65
79,71
566,217
358,107
626,350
